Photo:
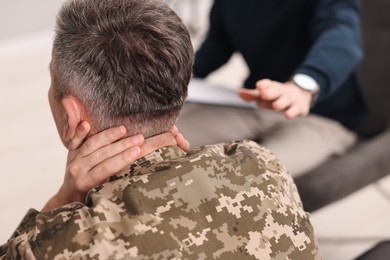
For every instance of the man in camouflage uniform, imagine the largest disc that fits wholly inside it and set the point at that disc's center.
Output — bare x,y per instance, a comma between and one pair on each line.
128,62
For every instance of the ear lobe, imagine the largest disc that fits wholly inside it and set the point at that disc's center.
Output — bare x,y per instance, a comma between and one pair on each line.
73,111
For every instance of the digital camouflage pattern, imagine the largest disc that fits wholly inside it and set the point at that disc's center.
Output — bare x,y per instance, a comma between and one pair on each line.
227,201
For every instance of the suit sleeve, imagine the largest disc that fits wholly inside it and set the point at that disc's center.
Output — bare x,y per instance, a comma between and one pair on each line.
337,44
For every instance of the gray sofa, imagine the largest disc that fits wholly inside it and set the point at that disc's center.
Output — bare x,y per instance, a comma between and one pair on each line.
369,160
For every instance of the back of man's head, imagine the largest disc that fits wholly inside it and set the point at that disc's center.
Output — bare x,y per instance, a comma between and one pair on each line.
126,61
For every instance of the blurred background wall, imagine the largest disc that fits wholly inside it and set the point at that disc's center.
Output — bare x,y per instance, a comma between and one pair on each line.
32,159
18,17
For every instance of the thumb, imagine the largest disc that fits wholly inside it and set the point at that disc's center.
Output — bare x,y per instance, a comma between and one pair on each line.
249,94
82,131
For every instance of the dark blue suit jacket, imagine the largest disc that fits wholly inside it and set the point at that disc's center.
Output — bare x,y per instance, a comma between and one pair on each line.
278,38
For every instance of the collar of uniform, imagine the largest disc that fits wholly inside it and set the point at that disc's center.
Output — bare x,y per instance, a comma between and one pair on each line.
144,164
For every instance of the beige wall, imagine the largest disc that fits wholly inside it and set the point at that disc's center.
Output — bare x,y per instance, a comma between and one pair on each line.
18,17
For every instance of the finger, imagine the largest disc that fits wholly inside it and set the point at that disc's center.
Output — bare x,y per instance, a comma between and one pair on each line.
112,166
249,94
174,130
271,94
182,142
264,104
81,132
264,84
112,150
292,112
270,90
281,103
102,139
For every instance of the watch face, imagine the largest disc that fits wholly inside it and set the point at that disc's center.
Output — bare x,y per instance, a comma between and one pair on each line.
305,82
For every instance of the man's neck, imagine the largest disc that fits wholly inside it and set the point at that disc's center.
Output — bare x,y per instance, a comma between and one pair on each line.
156,142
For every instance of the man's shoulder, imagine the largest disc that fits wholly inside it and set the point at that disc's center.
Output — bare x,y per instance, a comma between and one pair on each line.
229,200
235,194
244,150
230,148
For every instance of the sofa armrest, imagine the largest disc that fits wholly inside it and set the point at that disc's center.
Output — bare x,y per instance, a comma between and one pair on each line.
338,177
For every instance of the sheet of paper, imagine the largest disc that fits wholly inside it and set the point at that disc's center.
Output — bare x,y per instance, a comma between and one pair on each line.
200,91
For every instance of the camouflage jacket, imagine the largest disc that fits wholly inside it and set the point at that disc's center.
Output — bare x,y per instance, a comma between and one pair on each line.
227,201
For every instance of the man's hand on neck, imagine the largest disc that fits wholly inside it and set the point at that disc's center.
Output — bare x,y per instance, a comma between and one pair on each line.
91,162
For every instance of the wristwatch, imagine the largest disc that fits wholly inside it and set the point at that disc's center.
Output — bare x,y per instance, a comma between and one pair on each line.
307,83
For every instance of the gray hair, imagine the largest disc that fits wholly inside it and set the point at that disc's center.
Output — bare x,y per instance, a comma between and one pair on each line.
127,61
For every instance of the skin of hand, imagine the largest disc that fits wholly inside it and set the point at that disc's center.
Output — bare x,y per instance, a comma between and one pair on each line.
91,162
282,97
181,141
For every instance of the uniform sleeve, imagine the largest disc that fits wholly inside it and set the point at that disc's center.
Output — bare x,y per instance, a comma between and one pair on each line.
216,49
73,231
18,241
337,47
44,235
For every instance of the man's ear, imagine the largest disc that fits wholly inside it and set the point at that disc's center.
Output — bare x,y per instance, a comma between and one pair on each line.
74,112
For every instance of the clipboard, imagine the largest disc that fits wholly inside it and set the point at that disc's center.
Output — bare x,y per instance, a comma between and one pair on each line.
202,92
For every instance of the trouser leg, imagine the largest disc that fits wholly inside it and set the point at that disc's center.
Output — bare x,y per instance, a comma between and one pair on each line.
301,143
304,143
209,124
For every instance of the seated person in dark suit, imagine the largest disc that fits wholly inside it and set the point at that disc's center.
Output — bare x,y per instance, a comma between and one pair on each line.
302,58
